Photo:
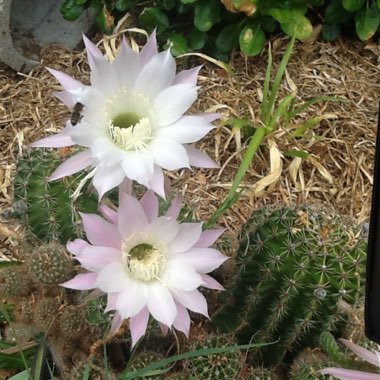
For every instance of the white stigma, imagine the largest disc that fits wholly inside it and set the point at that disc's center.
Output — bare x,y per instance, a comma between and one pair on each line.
144,262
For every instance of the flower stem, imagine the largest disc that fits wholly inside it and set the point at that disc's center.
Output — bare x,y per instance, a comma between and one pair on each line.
231,197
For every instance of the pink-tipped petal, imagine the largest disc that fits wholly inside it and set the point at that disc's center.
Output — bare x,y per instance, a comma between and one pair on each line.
208,238
188,76
156,183
348,374
113,278
72,165
116,324
92,51
149,204
138,325
111,302
83,281
180,275
163,228
210,116
194,300
150,49
175,207
182,320
161,304
131,216
77,246
94,258
138,166
109,214
106,178
59,140
65,80
367,355
66,98
204,260
125,187
199,159
211,283
169,154
173,102
188,234
100,232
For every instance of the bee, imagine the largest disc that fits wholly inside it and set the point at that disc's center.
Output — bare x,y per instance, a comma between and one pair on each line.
76,115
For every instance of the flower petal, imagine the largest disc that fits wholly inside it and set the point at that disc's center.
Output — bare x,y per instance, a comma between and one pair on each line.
161,304
96,258
109,214
65,80
156,75
210,116
138,166
116,324
175,207
188,234
149,203
348,374
367,355
199,159
173,102
83,281
107,178
76,246
194,300
182,320
111,302
100,232
59,140
150,49
66,98
131,301
131,216
156,183
180,275
169,154
188,76
138,325
165,229
113,278
208,238
72,165
187,129
210,283
204,260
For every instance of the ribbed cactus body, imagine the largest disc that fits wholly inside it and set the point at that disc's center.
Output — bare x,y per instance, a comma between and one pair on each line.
51,212
294,267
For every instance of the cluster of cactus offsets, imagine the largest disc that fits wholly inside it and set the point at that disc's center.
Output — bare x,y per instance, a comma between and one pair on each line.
49,209
294,267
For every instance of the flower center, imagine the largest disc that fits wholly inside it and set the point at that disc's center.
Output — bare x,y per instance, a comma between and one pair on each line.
144,262
129,122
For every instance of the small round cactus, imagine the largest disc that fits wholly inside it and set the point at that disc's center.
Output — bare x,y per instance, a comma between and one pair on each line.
294,266
46,313
49,264
15,282
72,322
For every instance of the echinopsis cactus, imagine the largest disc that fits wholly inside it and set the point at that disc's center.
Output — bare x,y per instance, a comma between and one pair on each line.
295,265
48,209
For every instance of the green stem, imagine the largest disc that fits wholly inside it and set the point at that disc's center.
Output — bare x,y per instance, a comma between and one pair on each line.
231,197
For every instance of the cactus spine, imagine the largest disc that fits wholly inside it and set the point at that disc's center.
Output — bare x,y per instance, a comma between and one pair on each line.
294,267
51,212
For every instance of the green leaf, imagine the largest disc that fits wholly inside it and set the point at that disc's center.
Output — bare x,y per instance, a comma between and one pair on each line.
268,23
100,20
178,44
336,14
71,11
316,3
81,2
352,5
367,21
296,153
124,5
330,32
206,14
196,39
293,22
228,38
188,1
300,131
252,40
378,4
153,17
167,5
24,375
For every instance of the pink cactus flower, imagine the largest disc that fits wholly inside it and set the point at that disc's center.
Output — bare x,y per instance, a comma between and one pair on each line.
146,264
132,124
348,374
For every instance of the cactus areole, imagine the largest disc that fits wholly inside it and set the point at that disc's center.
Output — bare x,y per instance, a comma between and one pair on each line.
297,267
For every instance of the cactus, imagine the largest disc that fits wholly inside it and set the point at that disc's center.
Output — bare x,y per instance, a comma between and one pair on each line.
294,266
51,212
15,282
222,366
46,313
49,264
72,322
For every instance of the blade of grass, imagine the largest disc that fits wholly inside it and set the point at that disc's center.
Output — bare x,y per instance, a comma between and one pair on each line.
280,111
264,103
